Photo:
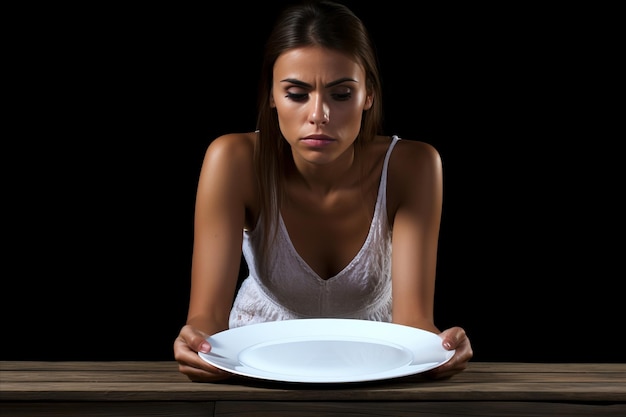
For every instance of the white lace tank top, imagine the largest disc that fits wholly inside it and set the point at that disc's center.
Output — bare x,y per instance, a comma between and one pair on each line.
292,290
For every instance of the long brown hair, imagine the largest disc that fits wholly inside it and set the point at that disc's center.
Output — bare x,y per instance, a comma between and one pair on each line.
311,23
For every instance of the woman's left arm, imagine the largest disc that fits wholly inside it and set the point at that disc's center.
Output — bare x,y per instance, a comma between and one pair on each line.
415,199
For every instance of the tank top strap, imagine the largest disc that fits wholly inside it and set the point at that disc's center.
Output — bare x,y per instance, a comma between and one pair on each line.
382,189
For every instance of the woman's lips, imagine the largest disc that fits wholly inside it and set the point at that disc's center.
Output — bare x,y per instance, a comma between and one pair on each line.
317,140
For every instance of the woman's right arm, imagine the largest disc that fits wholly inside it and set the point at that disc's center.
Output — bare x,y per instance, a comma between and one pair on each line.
225,191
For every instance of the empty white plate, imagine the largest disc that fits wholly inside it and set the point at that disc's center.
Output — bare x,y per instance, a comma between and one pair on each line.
326,350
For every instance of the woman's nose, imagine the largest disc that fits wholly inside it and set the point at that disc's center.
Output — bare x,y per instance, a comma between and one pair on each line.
319,113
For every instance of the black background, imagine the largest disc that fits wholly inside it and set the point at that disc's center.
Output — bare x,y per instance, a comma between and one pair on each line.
114,108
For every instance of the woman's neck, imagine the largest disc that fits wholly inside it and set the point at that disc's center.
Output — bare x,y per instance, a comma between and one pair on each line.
324,178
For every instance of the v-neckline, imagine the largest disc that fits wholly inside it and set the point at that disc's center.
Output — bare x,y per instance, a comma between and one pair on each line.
355,258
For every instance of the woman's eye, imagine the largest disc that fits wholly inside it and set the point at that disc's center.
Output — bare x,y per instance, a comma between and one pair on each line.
297,96
342,96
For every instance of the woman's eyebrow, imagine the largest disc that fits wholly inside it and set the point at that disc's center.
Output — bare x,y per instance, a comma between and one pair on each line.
330,84
341,80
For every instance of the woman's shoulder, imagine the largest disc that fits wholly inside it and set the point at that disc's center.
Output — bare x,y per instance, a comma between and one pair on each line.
415,175
231,148
228,165
230,153
409,155
233,142
415,171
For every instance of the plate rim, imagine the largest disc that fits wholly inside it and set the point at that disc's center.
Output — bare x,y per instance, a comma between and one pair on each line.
231,363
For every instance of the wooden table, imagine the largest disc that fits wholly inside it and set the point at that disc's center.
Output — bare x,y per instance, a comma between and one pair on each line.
158,389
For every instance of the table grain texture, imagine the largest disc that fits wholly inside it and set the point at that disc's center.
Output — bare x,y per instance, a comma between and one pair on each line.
137,388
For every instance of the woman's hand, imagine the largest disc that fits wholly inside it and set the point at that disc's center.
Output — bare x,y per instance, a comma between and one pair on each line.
189,342
453,338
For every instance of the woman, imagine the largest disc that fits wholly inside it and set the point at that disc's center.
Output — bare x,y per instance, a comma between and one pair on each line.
334,219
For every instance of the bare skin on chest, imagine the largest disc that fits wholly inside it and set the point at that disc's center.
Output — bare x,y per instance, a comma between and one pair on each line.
328,229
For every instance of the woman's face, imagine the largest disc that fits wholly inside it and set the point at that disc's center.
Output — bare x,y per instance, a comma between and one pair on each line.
319,95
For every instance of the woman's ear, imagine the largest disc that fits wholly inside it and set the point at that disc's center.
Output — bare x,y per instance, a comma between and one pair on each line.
369,100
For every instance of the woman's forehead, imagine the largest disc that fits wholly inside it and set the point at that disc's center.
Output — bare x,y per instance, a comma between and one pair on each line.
315,61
